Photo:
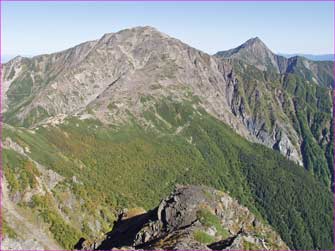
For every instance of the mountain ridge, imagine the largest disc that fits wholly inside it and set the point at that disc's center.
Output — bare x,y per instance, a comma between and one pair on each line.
255,52
82,79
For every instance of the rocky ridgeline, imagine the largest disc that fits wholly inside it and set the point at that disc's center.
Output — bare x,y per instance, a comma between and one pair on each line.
120,68
192,217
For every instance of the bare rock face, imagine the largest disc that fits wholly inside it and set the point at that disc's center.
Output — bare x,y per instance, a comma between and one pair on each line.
14,244
192,217
280,137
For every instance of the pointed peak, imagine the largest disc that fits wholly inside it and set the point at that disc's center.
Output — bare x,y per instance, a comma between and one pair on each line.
254,41
254,45
253,52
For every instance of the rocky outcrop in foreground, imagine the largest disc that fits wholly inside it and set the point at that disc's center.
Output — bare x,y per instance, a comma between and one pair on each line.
192,217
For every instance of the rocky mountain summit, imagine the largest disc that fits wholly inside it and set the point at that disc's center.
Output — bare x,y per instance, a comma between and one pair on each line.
256,53
190,218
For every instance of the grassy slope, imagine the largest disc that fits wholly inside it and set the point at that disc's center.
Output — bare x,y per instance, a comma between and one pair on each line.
129,166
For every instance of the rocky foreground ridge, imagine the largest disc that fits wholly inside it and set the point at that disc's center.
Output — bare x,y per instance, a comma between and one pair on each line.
191,217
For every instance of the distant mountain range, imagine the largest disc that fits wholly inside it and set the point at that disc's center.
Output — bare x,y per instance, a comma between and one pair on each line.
314,57
96,135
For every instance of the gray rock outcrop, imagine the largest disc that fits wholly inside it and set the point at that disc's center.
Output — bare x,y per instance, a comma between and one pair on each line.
192,217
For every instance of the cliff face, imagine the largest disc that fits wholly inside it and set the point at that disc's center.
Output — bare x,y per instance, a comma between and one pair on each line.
192,217
285,103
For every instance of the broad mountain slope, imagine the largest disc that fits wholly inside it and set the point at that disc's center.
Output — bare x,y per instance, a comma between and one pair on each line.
117,70
120,120
72,179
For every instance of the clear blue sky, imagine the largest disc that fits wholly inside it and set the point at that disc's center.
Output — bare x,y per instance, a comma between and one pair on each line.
300,27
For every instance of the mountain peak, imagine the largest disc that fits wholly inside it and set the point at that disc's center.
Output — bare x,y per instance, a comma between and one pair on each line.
144,28
254,40
137,29
254,52
254,46
134,31
257,43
